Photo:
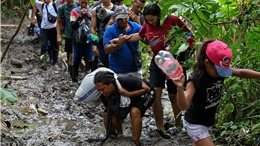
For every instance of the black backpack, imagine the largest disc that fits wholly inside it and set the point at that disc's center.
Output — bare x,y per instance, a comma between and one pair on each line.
81,34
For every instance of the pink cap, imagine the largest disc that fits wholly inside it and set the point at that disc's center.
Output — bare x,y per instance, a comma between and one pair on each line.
220,54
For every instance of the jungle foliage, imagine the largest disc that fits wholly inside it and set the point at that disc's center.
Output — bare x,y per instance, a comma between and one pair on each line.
237,24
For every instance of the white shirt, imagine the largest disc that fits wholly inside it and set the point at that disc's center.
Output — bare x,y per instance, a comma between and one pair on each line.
45,24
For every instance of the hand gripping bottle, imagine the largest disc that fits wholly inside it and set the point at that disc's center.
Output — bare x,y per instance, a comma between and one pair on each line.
168,64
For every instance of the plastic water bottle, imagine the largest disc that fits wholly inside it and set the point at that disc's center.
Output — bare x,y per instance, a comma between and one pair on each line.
168,64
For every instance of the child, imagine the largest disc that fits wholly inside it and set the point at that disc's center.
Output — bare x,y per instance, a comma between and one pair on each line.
204,89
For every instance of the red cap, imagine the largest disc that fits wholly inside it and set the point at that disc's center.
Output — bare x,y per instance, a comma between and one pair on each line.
220,54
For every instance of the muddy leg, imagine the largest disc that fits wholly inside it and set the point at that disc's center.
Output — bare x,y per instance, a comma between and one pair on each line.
136,122
176,109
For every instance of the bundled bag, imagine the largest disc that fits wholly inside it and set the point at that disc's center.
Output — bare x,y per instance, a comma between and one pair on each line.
87,90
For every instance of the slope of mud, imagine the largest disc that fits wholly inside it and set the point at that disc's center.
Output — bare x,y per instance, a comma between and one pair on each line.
67,123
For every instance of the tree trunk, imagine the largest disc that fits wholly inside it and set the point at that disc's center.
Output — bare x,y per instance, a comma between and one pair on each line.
9,4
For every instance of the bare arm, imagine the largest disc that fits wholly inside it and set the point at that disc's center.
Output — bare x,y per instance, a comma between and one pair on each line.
184,98
34,11
134,37
94,22
117,42
245,73
110,22
58,29
94,28
110,48
144,90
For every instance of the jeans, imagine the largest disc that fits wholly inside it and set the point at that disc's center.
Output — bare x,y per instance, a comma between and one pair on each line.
82,50
49,35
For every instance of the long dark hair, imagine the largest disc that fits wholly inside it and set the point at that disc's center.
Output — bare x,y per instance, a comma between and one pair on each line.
152,9
199,67
104,77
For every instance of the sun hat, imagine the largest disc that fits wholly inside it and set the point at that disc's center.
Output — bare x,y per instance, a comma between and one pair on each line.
120,12
220,54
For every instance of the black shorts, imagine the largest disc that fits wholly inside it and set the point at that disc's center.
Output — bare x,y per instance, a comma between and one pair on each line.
144,102
158,78
68,45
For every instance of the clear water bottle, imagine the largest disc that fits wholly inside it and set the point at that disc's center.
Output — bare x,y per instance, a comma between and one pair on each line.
168,64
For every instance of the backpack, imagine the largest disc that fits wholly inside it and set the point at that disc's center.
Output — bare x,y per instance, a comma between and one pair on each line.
81,34
101,24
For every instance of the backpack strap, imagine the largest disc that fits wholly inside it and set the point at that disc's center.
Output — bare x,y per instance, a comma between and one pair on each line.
54,6
42,6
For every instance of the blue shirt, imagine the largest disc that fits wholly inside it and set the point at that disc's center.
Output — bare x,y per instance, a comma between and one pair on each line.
121,61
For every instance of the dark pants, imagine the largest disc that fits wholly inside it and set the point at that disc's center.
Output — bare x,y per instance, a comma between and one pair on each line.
82,50
103,57
51,36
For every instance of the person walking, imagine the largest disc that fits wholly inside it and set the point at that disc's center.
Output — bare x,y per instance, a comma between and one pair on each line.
155,35
98,28
64,21
141,95
48,30
204,89
121,58
81,17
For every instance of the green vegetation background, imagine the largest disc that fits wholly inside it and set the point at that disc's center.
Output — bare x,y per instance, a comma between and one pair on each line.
234,22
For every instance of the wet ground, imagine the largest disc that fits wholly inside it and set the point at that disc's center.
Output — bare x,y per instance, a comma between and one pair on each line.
67,123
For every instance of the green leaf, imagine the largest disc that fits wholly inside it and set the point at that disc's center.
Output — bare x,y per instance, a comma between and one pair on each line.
32,2
256,126
182,48
220,14
230,107
8,95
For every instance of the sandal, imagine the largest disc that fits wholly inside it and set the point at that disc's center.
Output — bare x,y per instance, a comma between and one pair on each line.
163,134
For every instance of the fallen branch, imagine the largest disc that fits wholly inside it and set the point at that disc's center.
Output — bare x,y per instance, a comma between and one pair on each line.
64,62
14,77
16,32
8,25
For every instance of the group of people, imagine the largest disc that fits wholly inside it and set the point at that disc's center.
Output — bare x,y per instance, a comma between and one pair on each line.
118,35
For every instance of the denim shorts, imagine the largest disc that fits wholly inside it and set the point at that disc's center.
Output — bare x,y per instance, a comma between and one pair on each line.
197,132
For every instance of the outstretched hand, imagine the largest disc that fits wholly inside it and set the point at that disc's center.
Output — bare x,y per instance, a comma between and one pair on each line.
120,40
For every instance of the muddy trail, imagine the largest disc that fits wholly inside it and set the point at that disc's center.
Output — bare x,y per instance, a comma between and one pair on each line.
67,123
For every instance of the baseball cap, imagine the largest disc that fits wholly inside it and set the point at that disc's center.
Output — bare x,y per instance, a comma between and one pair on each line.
220,54
120,12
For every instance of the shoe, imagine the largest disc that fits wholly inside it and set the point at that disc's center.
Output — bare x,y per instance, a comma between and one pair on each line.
168,125
113,133
74,79
163,134
70,70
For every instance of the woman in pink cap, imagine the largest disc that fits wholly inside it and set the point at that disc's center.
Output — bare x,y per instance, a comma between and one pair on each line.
204,89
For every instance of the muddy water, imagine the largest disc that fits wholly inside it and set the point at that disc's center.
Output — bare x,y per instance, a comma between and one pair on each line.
67,123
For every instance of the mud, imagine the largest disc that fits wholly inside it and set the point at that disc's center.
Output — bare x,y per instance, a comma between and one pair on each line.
67,123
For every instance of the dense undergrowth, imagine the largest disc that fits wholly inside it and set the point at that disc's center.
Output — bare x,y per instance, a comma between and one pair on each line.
237,24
